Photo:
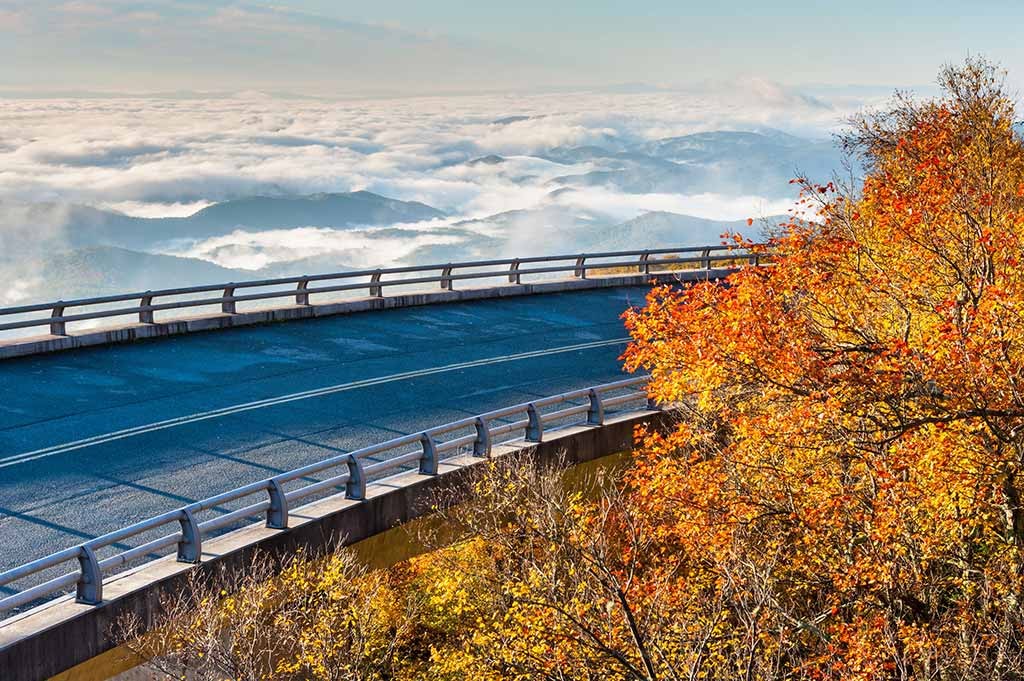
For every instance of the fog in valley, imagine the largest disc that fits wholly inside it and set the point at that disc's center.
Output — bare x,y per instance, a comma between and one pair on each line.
101,195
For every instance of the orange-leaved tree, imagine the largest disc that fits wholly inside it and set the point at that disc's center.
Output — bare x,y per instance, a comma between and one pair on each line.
848,470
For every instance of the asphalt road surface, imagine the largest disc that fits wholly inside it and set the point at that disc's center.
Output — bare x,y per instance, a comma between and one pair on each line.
97,439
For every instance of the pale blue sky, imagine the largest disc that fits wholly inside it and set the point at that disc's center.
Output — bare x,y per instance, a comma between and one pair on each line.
325,46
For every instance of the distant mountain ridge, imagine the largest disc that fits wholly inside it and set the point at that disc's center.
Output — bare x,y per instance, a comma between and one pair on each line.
723,162
83,226
107,270
77,250
319,210
103,270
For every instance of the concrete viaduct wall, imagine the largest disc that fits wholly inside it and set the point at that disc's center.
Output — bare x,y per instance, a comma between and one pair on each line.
60,637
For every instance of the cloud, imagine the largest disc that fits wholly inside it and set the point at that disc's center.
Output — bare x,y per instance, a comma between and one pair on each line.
17,291
363,248
12,20
26,232
123,45
710,206
141,209
184,151
170,157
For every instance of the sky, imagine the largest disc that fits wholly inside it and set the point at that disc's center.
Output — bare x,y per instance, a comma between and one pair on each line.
396,47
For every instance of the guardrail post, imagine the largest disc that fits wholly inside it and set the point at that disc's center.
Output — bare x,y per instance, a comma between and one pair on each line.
428,462
513,273
190,547
301,297
652,403
228,305
146,316
535,429
355,488
595,415
446,278
378,290
645,266
581,268
705,258
89,589
482,444
757,259
277,514
58,328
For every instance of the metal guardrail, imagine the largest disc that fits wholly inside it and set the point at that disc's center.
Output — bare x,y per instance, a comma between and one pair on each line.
350,470
305,286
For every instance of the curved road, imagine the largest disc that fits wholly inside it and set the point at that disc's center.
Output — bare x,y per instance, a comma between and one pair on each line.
96,439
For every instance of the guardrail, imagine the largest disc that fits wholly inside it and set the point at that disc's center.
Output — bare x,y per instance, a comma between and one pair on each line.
348,470
305,286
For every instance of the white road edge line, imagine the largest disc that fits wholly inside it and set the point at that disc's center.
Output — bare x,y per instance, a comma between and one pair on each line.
25,457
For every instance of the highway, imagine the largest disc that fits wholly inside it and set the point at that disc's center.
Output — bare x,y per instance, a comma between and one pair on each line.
96,439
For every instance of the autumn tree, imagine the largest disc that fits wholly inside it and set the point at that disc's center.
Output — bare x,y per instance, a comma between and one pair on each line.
847,470
559,573
312,618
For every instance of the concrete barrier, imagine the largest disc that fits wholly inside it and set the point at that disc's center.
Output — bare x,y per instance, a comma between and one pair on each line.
22,347
56,637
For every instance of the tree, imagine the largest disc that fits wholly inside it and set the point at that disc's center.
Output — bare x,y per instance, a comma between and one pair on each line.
847,470
323,618
563,587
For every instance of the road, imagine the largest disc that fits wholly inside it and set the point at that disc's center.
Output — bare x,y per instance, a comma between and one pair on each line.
96,439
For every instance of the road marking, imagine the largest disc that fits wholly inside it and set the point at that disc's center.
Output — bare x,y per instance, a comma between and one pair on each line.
25,457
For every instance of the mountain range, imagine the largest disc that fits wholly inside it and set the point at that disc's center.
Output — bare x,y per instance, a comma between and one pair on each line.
87,226
93,251
104,270
753,163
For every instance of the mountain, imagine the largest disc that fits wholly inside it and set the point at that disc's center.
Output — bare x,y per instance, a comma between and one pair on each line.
508,120
489,160
660,229
724,162
319,210
548,230
554,230
105,270
83,226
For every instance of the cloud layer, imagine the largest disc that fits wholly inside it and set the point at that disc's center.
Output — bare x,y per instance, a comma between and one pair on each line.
184,151
471,156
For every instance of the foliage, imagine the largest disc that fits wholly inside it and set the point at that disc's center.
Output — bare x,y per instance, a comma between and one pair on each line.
319,619
847,474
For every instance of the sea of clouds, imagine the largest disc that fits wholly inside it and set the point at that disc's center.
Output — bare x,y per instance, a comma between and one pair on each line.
155,157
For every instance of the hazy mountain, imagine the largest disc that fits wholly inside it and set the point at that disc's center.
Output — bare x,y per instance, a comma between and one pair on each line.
106,270
556,230
582,154
508,120
320,210
317,264
662,229
489,160
549,230
85,226
723,162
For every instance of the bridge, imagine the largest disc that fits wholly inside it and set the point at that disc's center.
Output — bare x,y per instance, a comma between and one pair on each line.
106,450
